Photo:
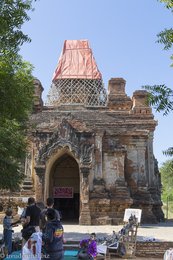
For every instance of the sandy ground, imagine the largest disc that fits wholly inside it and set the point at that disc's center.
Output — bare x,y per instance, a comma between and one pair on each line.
157,232
160,232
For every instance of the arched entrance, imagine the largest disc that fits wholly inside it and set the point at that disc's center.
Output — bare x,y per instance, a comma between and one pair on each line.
65,187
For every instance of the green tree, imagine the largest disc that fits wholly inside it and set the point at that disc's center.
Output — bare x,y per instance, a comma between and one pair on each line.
169,3
161,96
16,92
13,13
166,171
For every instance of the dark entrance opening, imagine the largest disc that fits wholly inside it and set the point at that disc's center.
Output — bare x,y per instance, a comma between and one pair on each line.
64,187
68,207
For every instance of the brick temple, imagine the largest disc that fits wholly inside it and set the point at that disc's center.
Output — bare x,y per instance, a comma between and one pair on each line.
91,147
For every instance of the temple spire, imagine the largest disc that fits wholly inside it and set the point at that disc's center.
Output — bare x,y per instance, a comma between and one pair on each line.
76,62
77,79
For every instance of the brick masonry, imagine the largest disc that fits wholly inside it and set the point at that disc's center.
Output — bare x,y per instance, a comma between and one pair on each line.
152,249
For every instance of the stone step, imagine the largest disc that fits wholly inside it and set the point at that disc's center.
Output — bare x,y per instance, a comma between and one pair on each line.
27,184
27,187
27,193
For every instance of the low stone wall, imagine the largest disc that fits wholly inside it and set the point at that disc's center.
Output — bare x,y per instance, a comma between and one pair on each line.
143,249
152,249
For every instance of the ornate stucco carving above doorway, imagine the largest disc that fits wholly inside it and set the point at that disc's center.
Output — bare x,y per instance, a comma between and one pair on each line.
79,143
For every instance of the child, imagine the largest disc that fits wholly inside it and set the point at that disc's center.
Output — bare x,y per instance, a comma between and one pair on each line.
88,248
7,232
53,237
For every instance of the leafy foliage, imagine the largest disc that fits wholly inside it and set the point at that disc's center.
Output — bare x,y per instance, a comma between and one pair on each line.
13,13
169,3
16,88
16,92
169,151
12,150
166,37
160,97
167,179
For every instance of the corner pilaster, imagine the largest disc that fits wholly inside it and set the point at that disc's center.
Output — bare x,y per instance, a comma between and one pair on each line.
40,173
85,216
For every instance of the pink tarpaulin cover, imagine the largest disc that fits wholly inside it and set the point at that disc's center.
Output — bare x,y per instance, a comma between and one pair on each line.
76,61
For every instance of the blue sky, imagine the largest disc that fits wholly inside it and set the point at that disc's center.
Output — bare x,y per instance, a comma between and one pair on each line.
122,35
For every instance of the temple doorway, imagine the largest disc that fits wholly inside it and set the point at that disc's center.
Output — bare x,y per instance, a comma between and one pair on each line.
65,187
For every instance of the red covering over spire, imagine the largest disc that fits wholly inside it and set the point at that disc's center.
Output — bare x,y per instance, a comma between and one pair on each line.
76,62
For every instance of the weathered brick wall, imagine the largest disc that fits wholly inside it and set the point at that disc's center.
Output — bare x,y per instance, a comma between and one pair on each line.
143,249
152,249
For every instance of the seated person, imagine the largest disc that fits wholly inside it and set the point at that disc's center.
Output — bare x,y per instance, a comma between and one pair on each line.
88,248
